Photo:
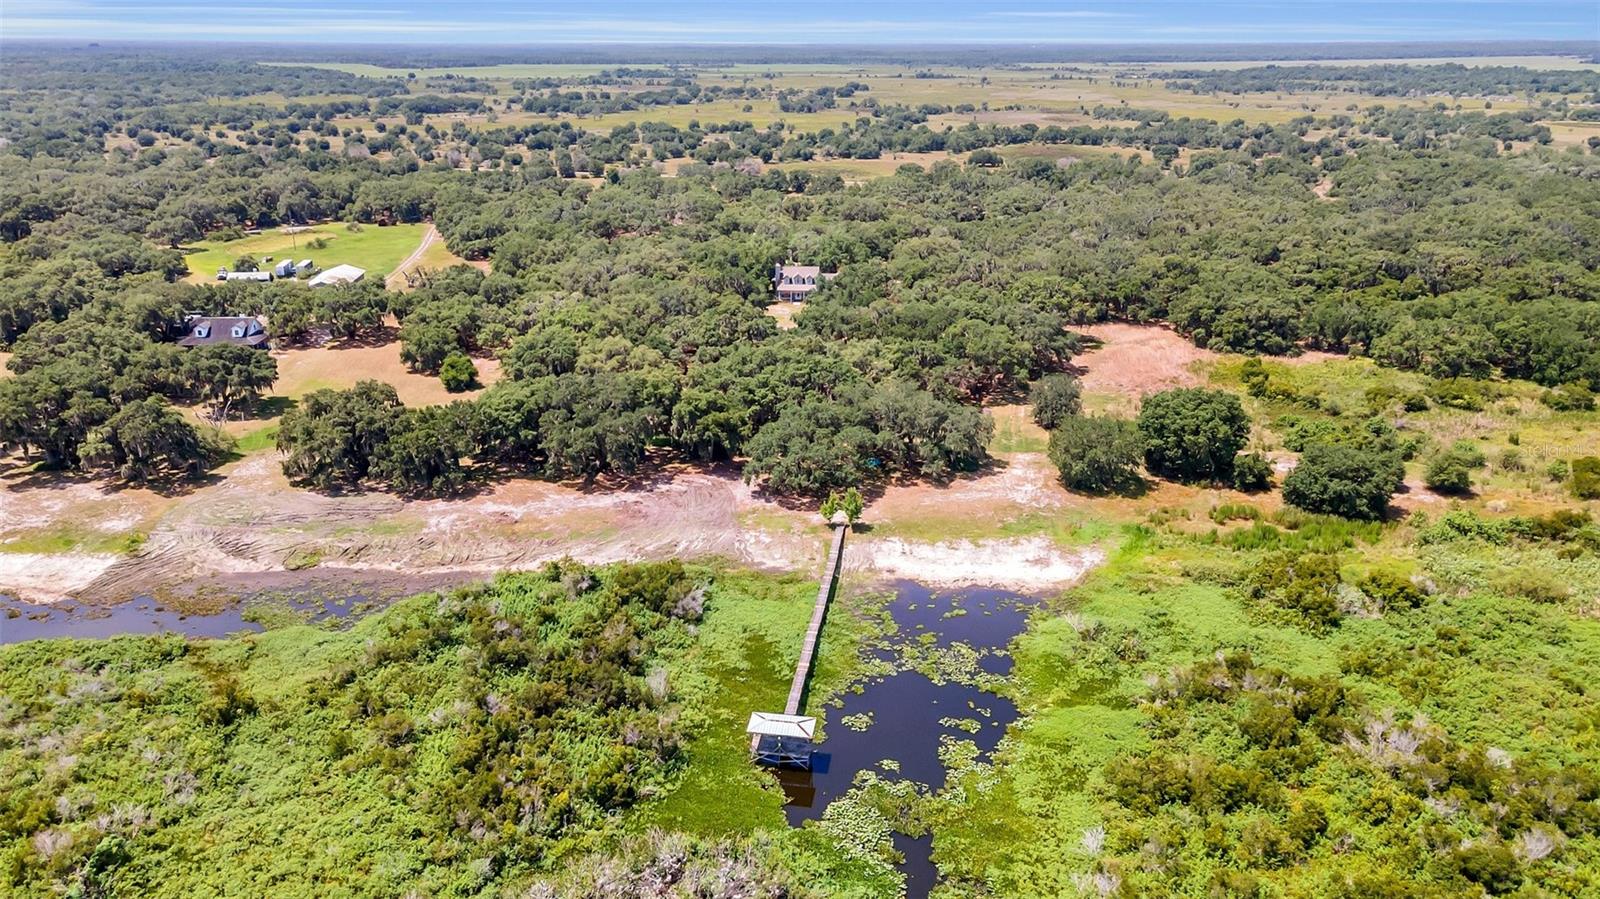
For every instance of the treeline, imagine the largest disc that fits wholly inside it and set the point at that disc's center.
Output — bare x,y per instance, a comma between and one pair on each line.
1413,128
555,101
96,391
816,100
1388,80
63,104
957,286
606,77
184,197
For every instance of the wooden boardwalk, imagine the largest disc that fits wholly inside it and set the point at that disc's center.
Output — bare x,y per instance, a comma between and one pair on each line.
808,649
819,612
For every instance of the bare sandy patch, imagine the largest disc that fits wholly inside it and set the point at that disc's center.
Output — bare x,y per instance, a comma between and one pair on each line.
339,366
1022,483
36,577
1029,563
785,312
1133,360
252,522
80,506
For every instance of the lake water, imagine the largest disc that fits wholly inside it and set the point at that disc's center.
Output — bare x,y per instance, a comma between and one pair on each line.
909,710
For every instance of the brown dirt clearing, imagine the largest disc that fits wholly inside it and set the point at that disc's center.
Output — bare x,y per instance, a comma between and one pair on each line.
785,312
1133,360
339,366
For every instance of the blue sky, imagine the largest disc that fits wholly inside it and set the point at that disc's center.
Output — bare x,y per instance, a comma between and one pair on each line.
814,21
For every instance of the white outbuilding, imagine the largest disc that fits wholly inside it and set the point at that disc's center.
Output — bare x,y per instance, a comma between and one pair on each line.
339,274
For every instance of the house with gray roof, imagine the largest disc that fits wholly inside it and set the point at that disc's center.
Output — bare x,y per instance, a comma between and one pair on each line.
794,283
209,330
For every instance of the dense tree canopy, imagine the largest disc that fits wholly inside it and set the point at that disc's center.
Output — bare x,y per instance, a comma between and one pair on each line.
1343,479
1193,433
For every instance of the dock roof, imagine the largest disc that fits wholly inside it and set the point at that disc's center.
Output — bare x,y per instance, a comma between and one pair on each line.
772,724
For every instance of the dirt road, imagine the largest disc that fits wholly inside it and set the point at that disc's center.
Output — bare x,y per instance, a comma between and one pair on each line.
429,237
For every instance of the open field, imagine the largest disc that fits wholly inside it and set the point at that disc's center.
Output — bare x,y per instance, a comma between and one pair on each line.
853,171
499,72
336,367
339,366
1573,134
762,113
1046,94
1057,152
374,248
430,255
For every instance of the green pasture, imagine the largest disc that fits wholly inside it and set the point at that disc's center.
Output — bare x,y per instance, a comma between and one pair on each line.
377,249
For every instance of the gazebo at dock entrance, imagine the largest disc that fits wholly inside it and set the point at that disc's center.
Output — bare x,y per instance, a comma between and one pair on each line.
781,740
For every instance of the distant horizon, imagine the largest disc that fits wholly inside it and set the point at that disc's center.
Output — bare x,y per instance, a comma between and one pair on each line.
821,22
925,54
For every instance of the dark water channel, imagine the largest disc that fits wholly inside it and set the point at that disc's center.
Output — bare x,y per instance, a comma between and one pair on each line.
21,621
908,709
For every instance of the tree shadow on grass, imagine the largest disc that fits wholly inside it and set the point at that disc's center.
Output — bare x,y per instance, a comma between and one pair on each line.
1132,488
368,338
168,484
271,407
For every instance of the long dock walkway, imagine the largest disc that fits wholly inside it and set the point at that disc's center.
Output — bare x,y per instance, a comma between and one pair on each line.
808,649
808,652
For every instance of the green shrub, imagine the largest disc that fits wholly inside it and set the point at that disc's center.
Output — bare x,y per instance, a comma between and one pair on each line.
1458,524
1251,472
1193,434
1054,398
1235,512
458,373
849,502
1586,477
1491,866
1344,480
1255,377
1460,393
1096,454
1299,433
1392,590
1304,583
1562,524
1533,584
1573,397
1511,460
1448,473
1469,454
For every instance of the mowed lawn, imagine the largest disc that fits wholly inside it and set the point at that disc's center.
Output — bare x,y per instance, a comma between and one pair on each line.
374,248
